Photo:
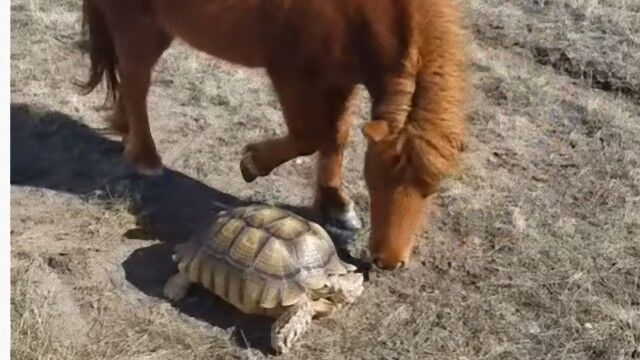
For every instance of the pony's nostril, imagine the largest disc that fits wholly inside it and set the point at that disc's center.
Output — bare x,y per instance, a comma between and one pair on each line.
381,264
378,263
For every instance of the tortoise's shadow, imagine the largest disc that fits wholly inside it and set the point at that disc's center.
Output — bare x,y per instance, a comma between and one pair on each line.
149,268
52,150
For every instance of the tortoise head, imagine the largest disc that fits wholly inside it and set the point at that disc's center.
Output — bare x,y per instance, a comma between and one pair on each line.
342,289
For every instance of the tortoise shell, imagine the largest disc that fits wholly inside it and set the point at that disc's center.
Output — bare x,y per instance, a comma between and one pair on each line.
260,258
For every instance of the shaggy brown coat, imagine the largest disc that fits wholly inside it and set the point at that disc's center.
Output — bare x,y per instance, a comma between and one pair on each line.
407,53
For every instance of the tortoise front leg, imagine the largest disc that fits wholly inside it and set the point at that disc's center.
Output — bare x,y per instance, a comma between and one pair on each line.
295,321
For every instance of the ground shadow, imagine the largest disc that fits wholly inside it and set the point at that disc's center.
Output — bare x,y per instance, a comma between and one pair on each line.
149,268
52,150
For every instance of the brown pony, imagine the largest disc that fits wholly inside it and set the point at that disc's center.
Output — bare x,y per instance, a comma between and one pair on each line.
407,53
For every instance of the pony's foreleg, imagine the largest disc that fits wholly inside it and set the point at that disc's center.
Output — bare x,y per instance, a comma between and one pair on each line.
334,205
331,202
317,120
139,44
301,107
259,159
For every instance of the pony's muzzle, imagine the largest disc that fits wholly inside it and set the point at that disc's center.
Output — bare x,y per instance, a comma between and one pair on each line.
388,265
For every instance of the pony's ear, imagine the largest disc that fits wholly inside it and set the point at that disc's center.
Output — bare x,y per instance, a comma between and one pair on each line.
376,130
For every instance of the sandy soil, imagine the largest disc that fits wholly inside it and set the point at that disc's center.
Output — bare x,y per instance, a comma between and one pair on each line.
533,251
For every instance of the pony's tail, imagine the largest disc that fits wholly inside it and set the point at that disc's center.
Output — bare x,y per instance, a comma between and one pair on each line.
101,51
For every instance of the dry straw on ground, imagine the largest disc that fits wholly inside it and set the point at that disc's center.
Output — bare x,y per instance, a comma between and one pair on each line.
534,251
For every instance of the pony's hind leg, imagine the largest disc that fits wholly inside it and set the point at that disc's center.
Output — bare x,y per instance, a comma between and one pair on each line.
117,120
139,43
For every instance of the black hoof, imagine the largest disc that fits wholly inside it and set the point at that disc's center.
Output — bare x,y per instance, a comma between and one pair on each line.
247,174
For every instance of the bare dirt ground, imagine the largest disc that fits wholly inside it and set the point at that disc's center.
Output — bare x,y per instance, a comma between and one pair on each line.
533,251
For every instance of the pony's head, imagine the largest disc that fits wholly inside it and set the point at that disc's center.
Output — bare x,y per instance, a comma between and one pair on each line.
400,176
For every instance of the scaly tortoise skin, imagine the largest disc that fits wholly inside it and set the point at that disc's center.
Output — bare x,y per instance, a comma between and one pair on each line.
267,261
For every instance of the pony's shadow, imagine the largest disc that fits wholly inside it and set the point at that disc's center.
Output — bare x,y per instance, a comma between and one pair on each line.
52,150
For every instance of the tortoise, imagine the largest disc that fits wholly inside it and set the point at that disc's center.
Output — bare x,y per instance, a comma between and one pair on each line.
267,261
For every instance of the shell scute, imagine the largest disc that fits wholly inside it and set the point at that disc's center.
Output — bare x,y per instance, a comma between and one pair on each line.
264,216
270,294
247,245
288,228
207,275
311,252
220,270
277,258
235,281
194,268
254,287
290,293
226,235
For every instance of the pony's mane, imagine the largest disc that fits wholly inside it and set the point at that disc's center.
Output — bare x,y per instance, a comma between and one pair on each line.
423,109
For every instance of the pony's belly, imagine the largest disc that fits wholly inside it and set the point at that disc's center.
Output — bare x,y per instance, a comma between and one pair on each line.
227,30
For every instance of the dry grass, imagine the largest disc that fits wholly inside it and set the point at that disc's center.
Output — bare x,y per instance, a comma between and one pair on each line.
596,41
142,333
31,336
534,249
68,304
